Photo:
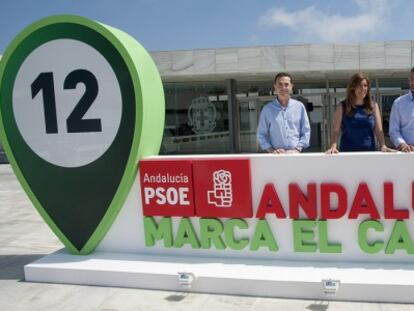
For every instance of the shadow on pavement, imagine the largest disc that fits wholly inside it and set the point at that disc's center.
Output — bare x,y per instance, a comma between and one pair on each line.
318,306
3,159
12,266
175,298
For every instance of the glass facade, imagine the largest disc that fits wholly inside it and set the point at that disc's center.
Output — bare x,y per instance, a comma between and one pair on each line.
197,118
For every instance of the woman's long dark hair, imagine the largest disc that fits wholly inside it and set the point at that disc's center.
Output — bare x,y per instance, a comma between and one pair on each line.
350,100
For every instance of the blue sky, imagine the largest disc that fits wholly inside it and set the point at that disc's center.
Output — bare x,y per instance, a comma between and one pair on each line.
185,24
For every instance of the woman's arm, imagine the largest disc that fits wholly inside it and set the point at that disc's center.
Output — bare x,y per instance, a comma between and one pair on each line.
336,129
379,133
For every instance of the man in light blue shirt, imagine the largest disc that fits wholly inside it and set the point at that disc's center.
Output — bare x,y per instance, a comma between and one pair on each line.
402,119
283,124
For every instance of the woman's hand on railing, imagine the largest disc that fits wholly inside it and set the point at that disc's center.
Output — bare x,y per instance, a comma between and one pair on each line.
332,150
384,148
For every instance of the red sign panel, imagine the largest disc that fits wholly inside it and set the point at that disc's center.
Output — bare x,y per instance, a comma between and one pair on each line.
223,188
166,188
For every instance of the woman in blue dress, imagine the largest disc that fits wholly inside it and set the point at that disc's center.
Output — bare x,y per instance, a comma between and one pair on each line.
358,120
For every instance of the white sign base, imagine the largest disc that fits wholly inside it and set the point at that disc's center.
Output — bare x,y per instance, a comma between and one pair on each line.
383,282
123,259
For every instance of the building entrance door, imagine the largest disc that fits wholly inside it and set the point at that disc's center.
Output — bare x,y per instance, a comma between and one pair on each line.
249,112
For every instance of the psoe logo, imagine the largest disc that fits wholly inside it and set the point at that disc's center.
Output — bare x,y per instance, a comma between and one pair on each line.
222,195
214,188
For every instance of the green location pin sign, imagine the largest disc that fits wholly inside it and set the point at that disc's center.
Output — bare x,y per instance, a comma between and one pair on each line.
80,104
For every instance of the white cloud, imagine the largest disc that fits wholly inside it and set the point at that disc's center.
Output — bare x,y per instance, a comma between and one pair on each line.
314,25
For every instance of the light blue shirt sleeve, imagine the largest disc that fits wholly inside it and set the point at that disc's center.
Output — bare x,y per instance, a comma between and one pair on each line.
304,130
402,120
263,130
394,130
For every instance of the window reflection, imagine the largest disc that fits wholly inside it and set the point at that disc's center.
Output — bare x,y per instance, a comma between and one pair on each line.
196,119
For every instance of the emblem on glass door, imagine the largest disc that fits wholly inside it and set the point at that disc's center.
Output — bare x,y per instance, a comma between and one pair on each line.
202,115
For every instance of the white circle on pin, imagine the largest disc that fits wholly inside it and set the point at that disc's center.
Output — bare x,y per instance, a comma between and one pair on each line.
67,102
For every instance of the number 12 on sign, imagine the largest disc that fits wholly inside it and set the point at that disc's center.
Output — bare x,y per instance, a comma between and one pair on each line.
75,122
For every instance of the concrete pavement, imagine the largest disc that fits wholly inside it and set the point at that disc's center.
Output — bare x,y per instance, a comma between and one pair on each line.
24,237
